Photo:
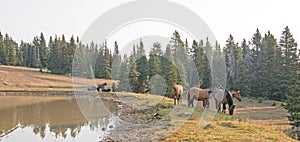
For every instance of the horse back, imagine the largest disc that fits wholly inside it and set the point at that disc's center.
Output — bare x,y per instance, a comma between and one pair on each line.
199,93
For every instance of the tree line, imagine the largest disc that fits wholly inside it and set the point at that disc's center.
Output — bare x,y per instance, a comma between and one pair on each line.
260,67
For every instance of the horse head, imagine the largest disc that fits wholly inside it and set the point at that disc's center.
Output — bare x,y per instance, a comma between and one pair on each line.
236,95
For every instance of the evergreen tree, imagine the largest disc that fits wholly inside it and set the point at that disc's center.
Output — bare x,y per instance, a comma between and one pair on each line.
154,64
71,48
142,67
106,63
19,55
230,62
9,46
257,57
245,69
205,69
134,75
99,73
288,47
2,50
171,75
116,62
293,102
54,56
124,75
268,65
156,49
218,67
43,51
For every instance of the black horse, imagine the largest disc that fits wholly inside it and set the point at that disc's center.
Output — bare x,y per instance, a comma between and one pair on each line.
223,97
101,86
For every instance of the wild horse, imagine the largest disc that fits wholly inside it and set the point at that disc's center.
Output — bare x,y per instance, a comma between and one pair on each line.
102,87
177,91
225,97
199,95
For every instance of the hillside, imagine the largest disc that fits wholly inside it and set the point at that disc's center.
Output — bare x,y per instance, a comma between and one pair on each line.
30,79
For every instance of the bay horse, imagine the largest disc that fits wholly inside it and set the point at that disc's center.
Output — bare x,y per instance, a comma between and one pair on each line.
177,90
199,95
225,97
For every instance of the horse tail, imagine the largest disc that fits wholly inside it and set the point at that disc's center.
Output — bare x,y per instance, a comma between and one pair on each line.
188,97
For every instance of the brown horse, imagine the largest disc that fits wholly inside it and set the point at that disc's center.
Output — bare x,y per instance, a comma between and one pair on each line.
177,91
199,95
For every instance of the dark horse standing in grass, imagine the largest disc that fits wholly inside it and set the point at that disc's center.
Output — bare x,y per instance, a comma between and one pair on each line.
225,97
102,87
177,91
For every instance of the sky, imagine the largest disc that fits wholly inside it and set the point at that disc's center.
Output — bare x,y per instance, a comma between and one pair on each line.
24,19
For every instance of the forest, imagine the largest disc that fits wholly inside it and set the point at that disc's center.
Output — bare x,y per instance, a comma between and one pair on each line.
260,67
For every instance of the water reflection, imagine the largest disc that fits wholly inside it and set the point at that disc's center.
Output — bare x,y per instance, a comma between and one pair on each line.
58,120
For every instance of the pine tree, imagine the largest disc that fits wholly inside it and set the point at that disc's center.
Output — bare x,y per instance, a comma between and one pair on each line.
218,67
293,102
230,61
171,75
2,50
54,56
205,69
257,56
245,69
288,47
156,85
19,55
116,63
9,46
154,64
43,51
142,67
124,75
134,75
106,63
100,63
70,54
268,64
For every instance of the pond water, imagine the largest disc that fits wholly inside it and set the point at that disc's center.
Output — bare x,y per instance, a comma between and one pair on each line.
58,120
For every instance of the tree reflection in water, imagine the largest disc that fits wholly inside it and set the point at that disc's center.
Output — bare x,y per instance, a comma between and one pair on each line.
56,120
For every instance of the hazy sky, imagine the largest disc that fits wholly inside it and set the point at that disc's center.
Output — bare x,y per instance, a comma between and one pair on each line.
24,19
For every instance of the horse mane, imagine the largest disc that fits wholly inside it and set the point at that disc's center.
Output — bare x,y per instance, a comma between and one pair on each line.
228,97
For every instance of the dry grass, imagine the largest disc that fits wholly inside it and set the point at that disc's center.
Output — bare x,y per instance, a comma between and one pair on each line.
18,79
252,121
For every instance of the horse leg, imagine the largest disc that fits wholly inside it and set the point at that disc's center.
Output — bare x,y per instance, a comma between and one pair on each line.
174,101
207,103
204,103
192,101
224,108
231,109
219,107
